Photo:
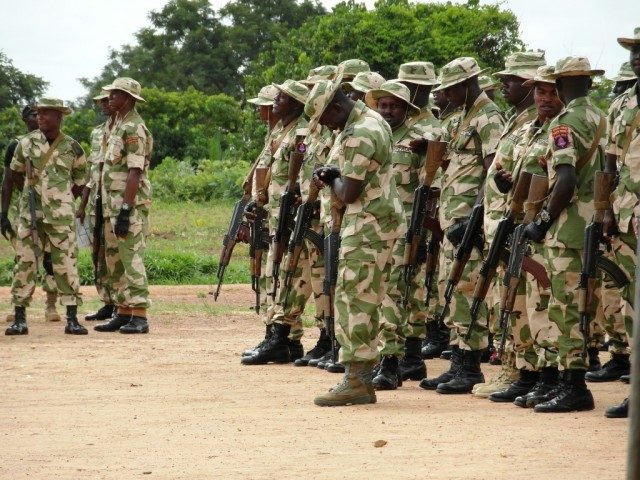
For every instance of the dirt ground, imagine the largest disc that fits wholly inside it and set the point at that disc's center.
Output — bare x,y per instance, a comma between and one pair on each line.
177,404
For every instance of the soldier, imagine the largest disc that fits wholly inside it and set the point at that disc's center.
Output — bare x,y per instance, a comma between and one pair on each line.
489,86
624,80
475,137
126,197
289,106
30,119
360,176
623,155
519,67
574,157
361,84
90,197
51,168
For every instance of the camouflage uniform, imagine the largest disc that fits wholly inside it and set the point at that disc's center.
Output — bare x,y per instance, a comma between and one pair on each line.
55,213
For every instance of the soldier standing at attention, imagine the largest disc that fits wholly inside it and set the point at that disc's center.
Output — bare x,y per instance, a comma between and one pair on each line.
575,156
126,196
359,173
51,169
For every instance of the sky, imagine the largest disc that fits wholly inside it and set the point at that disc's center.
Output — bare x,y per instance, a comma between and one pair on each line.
64,40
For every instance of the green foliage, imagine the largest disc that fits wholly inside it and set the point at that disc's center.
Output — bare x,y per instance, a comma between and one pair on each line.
17,87
79,124
602,93
11,126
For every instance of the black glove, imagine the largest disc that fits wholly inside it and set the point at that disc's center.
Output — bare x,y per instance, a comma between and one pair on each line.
327,173
5,226
502,183
537,230
456,232
121,228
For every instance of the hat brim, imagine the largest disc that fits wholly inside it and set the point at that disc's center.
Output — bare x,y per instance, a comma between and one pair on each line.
372,96
445,85
108,88
533,82
260,101
628,42
418,82
63,110
100,97
291,93
523,75
619,78
577,73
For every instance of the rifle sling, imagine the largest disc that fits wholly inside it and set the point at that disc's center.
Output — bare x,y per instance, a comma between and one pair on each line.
46,158
467,119
594,145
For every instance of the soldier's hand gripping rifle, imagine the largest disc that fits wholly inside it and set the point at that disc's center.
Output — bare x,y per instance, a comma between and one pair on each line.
331,248
424,206
33,225
504,230
285,216
258,232
518,259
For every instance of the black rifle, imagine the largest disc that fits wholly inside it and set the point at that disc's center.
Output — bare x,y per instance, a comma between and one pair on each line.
331,249
259,233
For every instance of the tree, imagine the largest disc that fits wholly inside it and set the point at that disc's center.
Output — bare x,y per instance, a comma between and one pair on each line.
17,87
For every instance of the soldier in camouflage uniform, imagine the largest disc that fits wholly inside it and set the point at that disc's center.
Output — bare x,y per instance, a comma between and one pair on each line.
289,106
29,117
623,155
625,79
126,198
357,88
99,136
348,69
575,155
52,168
519,67
360,176
475,138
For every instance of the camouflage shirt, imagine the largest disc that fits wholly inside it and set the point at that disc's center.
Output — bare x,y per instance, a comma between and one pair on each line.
475,135
495,202
52,181
318,144
129,146
99,137
571,134
626,202
362,150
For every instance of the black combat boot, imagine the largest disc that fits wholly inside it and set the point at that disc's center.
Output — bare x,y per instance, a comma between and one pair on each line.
322,346
334,367
73,327
467,375
314,362
296,350
263,342
437,340
456,361
573,397
388,377
136,324
618,411
543,390
276,350
19,325
612,370
411,365
526,381
594,359
105,312
446,354
625,378
114,324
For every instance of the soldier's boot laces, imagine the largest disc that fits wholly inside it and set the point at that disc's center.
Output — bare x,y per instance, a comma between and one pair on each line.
321,347
543,390
50,312
618,411
19,325
456,361
104,313
467,375
388,376
612,370
263,342
356,387
507,375
73,327
525,382
412,366
276,349
573,397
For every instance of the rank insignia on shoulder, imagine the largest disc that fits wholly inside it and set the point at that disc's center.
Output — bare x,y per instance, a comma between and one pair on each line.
301,147
132,140
561,136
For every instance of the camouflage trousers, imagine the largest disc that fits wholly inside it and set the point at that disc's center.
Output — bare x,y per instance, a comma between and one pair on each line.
101,273
48,281
58,242
363,275
624,248
459,317
307,280
564,266
125,262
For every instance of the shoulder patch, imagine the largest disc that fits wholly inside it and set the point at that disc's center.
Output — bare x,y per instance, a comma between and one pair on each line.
77,149
132,140
561,136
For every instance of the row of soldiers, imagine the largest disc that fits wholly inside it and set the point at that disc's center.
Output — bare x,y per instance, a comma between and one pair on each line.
366,147
50,170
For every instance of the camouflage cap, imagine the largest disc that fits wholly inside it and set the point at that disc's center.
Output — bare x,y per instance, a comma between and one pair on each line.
319,99
420,73
295,90
630,42
544,74
625,73
323,72
391,88
487,82
523,64
101,96
266,96
350,68
126,84
574,67
457,71
48,103
364,82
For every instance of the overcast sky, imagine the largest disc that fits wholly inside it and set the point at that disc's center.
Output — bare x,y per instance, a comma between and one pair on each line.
63,40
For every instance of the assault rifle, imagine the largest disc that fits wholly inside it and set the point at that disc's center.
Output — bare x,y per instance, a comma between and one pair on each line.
97,250
258,232
302,230
424,207
331,248
287,210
